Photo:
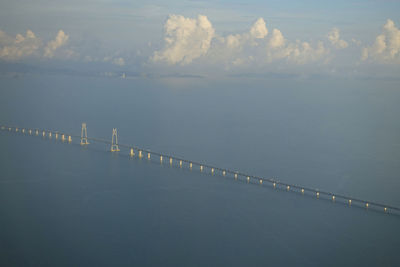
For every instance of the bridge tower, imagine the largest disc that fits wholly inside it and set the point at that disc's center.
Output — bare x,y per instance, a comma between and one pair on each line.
114,141
84,140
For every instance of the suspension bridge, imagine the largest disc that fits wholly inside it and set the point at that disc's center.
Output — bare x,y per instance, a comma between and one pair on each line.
135,151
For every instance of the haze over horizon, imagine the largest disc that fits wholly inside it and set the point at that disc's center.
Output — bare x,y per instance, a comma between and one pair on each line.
348,39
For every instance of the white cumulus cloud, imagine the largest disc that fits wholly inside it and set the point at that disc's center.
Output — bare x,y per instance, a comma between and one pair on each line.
51,47
334,38
386,48
294,52
185,39
277,39
259,29
22,46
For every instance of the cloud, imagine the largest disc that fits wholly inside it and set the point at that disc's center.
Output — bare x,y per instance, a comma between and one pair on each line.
20,47
259,30
297,53
334,38
278,48
277,40
386,48
186,39
51,47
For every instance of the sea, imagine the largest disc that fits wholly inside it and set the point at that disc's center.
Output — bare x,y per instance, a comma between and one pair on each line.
63,204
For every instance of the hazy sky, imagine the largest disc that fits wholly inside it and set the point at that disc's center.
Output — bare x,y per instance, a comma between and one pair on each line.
353,38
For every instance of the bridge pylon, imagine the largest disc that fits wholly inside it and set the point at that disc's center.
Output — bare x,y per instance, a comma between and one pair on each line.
114,141
84,139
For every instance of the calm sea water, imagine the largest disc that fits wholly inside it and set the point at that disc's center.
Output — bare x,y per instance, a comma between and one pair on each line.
64,205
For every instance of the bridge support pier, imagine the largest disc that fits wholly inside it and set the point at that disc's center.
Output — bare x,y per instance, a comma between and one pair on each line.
132,153
114,141
84,138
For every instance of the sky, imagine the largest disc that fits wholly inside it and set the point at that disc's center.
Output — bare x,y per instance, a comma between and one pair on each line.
346,39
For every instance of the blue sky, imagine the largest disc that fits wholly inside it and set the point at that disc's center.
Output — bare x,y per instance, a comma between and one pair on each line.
327,37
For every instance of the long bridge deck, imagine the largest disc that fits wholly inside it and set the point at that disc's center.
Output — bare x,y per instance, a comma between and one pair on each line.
84,140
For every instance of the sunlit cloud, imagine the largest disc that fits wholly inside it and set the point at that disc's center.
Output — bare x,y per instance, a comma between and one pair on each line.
185,39
51,47
21,46
334,38
386,48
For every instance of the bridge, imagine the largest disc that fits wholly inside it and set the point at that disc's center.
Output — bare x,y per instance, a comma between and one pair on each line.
84,140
